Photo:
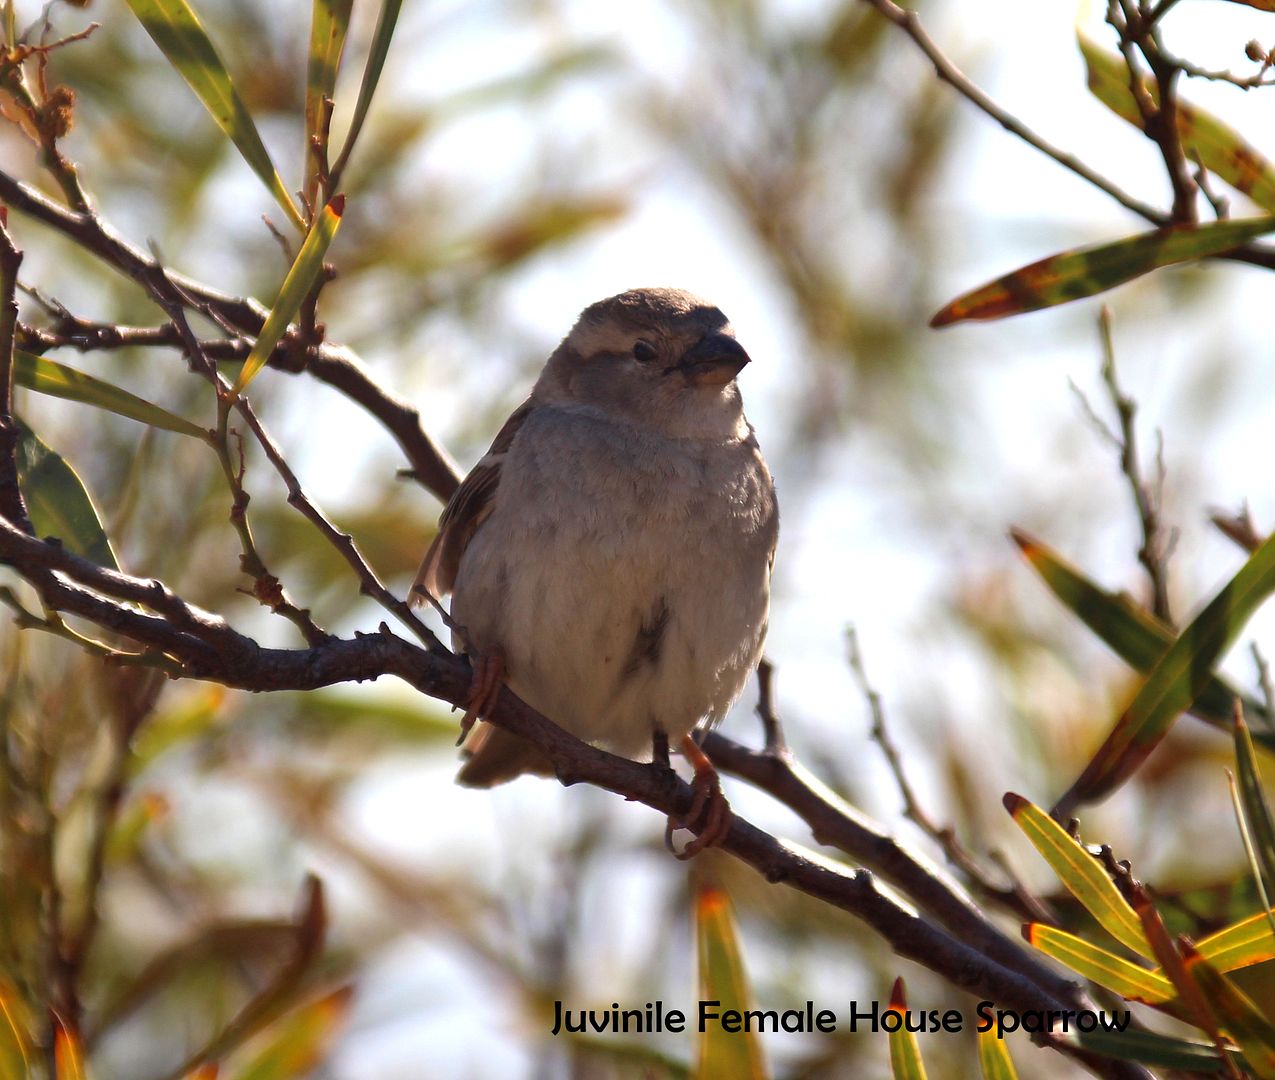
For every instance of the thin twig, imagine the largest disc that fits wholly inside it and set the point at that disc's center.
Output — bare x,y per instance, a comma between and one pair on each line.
335,365
1239,528
1159,116
945,836
53,624
910,24
1156,545
369,584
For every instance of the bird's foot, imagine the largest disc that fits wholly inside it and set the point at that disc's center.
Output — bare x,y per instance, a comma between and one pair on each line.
710,815
484,687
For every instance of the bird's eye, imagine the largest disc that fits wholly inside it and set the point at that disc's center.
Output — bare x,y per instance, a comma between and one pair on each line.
643,352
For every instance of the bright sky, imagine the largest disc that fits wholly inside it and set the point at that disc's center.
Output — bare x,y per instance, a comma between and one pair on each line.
853,553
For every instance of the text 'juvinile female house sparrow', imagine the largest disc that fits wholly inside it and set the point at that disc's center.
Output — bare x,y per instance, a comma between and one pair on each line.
610,556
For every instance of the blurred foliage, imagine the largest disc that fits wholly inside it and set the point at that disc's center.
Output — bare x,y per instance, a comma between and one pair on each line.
155,836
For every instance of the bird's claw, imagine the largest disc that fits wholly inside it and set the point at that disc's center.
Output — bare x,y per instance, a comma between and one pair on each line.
484,688
710,815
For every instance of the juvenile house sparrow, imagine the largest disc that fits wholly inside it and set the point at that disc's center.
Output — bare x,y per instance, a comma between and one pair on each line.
610,556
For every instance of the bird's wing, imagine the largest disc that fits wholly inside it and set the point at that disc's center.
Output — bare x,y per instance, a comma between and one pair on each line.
468,508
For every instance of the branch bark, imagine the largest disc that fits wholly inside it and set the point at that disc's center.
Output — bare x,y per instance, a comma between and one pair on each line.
207,647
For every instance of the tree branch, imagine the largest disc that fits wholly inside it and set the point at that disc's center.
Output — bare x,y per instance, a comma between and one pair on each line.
948,72
334,365
207,647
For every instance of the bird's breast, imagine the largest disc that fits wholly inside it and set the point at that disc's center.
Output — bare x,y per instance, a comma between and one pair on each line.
625,577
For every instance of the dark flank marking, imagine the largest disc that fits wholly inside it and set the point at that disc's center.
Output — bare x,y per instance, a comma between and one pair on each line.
649,640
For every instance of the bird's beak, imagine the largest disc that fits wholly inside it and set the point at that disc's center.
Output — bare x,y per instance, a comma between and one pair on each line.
713,361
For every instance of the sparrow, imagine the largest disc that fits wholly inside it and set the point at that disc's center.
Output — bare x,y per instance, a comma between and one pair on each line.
609,558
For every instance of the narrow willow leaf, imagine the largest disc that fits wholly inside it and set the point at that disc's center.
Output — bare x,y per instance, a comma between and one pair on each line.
1257,811
1162,1051
1206,139
297,1043
68,1053
46,376
332,714
993,1057
1251,941
1176,681
1105,968
523,85
722,979
57,501
328,27
1087,271
905,1053
1080,874
1252,1031
15,1044
380,49
1134,634
132,826
181,37
193,715
301,276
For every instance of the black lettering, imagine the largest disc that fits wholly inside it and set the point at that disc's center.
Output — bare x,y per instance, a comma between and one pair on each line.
872,1016
1006,1022
705,1015
984,1014
1118,1022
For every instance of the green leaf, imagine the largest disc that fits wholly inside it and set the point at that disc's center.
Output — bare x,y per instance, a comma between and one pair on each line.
722,979
176,29
1242,1020
1251,941
381,38
57,501
1206,139
1080,873
1176,681
993,1057
15,1043
297,1043
1160,1050
46,376
68,1053
301,277
1134,634
330,714
1086,271
193,715
905,1053
132,825
1257,811
1126,978
328,27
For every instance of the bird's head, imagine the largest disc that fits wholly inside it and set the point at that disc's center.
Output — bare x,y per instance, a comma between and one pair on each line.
660,358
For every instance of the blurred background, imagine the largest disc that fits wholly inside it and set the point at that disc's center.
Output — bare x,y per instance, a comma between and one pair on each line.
796,163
